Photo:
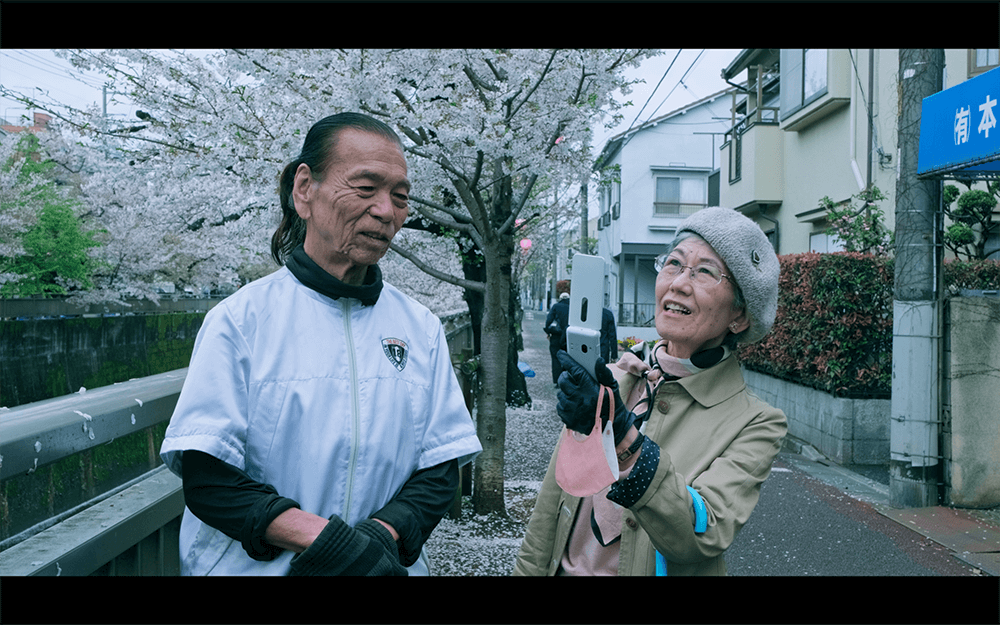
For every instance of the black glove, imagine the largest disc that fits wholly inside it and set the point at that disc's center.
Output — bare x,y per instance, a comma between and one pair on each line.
366,550
578,398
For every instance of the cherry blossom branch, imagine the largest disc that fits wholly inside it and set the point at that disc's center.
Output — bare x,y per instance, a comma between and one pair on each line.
479,287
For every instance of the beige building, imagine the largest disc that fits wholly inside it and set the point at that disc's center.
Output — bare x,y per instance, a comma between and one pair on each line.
817,123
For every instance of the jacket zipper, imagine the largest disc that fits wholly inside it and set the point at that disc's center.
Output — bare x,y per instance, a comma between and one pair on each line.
355,418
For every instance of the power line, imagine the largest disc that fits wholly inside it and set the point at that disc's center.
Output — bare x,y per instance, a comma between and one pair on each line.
864,100
653,92
679,82
61,72
55,67
690,67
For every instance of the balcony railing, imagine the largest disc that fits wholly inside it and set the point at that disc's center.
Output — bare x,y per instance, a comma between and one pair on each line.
734,137
637,315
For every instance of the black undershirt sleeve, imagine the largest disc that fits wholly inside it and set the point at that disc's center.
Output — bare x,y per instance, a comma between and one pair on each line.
227,499
419,507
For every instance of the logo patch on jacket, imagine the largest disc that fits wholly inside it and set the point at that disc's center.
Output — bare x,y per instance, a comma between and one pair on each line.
395,350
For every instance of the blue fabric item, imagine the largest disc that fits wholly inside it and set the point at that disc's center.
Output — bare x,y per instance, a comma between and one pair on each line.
700,525
700,513
526,369
661,565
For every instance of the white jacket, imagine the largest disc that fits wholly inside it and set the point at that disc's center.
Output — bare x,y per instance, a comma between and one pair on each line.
333,403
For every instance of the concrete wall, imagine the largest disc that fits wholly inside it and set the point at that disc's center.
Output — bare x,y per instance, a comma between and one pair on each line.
848,431
856,431
44,358
974,365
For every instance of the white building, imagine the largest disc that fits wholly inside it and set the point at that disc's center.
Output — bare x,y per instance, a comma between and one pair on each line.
656,175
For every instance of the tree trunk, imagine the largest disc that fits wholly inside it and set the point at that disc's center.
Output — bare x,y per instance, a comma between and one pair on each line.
491,420
517,386
476,302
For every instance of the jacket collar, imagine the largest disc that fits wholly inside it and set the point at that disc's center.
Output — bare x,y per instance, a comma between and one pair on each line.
709,387
716,384
316,278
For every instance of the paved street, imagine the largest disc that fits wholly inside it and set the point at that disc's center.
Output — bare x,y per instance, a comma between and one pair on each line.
803,526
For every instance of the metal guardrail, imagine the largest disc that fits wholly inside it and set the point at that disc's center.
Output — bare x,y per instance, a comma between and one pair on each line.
131,532
43,432
636,314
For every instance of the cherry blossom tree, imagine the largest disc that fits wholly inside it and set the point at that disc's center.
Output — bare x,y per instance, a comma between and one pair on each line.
480,128
21,202
43,243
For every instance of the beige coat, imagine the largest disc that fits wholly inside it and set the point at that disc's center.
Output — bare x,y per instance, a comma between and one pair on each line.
715,436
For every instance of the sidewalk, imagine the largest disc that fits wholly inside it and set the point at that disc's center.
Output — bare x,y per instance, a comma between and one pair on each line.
973,536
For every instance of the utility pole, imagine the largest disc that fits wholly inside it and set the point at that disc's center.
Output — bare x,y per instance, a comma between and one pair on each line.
914,467
583,218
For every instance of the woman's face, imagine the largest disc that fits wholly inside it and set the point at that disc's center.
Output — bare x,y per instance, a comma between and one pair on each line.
693,317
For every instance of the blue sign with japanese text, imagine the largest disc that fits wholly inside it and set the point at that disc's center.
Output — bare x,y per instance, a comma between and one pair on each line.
958,128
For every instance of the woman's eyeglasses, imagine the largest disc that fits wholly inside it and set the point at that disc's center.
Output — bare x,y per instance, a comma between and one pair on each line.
703,275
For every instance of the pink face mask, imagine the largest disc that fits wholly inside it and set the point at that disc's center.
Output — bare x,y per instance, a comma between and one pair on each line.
586,465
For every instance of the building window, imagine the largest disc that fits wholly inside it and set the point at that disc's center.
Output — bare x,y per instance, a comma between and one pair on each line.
679,195
803,78
983,60
825,243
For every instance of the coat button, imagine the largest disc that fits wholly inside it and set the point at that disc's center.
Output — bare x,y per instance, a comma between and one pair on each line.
662,405
631,524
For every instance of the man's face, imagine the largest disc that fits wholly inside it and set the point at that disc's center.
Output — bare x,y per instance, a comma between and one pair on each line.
357,208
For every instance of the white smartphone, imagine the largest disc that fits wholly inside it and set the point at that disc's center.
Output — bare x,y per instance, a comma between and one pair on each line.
586,307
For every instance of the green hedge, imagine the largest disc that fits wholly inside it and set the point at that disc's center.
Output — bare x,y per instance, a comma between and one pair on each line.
976,274
833,330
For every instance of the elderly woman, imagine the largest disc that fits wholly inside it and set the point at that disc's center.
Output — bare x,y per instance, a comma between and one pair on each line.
693,443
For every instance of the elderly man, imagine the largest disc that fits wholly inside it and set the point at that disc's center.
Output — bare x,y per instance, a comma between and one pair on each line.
321,427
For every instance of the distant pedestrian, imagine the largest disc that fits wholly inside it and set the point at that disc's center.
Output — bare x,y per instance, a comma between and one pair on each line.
691,463
556,323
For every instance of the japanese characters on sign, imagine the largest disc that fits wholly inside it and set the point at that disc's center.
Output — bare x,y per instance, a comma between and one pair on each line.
958,128
987,120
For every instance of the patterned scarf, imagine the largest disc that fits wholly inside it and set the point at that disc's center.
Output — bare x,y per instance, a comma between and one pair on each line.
674,368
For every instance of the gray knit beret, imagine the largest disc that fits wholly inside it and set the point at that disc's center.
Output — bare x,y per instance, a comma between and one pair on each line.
744,247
